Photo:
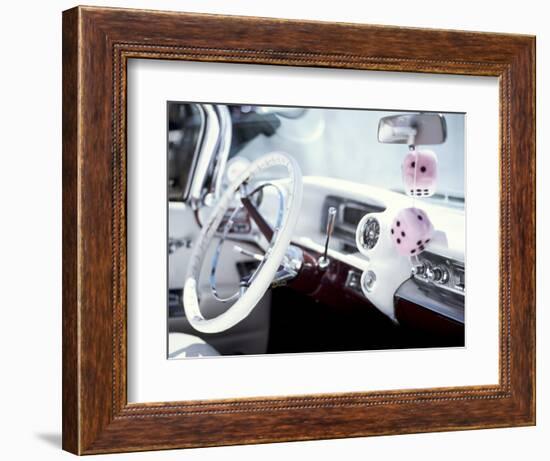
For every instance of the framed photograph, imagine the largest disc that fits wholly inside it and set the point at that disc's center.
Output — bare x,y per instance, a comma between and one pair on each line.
284,230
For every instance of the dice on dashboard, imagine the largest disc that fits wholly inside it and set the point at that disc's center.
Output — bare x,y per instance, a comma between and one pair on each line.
411,230
419,173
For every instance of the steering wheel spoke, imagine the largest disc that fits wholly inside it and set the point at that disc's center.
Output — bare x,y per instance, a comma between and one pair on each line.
250,254
264,227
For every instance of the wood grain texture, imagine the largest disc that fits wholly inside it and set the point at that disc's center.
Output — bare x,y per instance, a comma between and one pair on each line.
97,42
70,384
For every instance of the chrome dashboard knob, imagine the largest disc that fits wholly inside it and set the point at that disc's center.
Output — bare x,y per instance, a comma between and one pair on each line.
368,281
437,274
419,271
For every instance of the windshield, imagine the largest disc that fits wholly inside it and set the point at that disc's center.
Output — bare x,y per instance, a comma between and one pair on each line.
343,144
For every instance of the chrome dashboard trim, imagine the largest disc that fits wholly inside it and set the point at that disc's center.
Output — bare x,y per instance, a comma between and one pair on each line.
444,303
224,146
196,152
207,151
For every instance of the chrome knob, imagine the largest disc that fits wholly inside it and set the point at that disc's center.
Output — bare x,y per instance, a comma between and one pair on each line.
368,281
437,274
433,274
444,276
419,271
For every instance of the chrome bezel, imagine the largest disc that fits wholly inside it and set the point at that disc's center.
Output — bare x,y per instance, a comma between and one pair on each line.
368,242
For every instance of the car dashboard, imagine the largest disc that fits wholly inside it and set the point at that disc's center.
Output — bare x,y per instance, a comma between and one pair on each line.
430,297
436,284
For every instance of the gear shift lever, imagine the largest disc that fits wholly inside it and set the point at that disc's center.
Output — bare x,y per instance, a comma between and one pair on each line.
323,261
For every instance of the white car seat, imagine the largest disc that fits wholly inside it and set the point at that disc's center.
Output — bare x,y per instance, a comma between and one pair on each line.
182,345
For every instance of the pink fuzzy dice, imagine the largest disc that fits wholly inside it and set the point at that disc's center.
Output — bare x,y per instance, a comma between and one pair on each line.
410,231
419,172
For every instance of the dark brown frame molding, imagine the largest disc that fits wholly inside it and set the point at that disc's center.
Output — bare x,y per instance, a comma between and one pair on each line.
97,43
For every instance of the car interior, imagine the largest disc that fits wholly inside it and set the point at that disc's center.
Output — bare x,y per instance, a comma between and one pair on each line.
289,230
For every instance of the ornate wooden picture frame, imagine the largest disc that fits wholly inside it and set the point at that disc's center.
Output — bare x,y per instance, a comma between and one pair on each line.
97,44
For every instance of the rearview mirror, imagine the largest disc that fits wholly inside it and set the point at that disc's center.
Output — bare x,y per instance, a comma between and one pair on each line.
412,129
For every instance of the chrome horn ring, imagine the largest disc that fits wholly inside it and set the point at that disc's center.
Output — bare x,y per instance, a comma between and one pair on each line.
228,225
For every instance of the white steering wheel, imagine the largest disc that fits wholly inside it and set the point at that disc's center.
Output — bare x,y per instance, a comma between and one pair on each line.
254,288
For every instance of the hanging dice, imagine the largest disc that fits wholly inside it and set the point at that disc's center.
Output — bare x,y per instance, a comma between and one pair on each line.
419,172
411,231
